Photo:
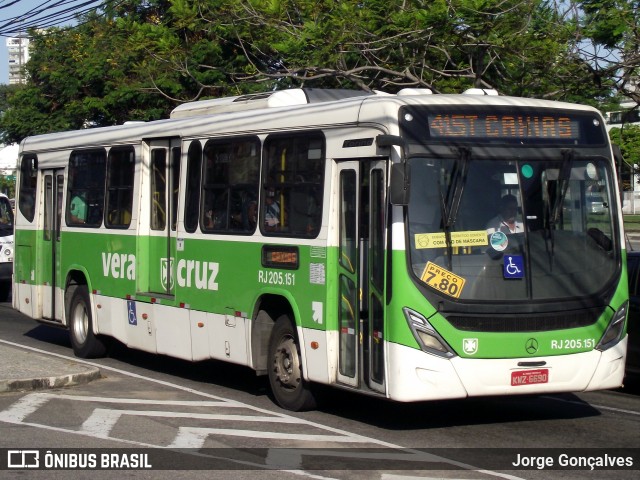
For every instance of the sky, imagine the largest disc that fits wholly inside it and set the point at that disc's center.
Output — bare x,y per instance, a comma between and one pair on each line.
34,13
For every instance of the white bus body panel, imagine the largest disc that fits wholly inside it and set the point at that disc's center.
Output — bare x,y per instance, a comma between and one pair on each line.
418,376
22,298
177,332
320,363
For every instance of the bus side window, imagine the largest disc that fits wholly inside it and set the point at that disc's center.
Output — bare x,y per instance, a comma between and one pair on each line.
27,192
86,188
293,187
120,173
230,172
192,193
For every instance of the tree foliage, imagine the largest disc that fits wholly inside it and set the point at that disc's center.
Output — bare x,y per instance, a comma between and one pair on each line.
137,60
628,139
608,39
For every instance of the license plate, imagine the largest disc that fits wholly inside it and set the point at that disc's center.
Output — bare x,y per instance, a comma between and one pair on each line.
529,377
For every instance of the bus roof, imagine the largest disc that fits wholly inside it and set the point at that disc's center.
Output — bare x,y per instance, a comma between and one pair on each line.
321,111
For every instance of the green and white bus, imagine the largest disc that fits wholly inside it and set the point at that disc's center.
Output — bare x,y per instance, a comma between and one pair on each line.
337,238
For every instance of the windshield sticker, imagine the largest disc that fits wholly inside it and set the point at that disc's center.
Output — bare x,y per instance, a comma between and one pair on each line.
442,280
471,238
499,241
513,266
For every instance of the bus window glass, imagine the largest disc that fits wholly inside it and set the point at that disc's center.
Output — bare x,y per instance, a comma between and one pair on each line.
59,200
293,185
27,191
48,207
120,174
85,193
377,229
348,326
158,189
530,215
192,194
175,184
230,189
348,220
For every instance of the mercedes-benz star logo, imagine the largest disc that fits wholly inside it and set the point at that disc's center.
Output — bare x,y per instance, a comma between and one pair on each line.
531,346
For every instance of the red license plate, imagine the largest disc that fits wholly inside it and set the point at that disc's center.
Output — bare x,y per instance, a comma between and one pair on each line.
529,377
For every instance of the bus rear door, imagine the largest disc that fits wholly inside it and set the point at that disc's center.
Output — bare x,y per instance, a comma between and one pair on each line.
52,288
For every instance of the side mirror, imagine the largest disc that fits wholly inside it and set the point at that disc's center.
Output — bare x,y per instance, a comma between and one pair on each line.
400,184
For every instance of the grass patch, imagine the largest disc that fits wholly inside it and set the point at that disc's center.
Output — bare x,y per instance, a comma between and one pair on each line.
632,222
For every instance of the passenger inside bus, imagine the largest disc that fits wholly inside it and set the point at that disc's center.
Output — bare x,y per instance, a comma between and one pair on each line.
119,217
252,215
272,211
78,209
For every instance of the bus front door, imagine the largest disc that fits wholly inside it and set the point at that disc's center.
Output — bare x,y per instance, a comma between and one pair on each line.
164,173
52,288
361,273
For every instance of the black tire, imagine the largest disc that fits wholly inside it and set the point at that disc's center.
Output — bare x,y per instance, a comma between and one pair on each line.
85,343
5,290
288,386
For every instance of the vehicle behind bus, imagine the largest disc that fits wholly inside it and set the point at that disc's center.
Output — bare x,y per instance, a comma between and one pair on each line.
6,247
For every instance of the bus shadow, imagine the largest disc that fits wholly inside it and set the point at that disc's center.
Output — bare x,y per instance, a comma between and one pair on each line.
458,412
213,372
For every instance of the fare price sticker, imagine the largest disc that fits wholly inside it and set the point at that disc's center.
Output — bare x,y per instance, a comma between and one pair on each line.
442,280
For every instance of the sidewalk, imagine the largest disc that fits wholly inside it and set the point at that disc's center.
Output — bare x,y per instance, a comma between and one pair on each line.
21,370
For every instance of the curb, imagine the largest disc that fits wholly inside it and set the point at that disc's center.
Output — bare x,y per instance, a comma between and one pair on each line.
39,383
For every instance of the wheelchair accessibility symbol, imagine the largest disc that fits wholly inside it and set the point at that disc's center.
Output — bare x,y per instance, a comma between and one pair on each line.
513,266
131,312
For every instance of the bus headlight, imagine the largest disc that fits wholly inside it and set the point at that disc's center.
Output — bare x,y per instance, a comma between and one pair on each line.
426,336
614,331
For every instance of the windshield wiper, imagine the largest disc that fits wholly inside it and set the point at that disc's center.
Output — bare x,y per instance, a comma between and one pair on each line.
449,207
553,211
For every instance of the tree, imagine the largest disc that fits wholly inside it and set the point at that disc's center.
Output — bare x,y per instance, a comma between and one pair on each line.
608,39
81,77
8,185
445,45
137,60
628,139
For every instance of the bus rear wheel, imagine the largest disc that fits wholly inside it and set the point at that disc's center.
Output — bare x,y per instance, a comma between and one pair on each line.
289,388
5,290
85,343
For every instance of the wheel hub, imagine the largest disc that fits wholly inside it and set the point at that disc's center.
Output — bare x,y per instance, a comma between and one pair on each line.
287,364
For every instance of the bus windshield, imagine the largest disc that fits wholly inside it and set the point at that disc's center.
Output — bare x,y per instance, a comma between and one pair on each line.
526,229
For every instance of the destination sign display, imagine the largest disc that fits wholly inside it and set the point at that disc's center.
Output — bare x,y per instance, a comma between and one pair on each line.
500,125
503,126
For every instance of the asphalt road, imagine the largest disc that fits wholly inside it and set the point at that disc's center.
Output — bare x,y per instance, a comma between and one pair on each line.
217,420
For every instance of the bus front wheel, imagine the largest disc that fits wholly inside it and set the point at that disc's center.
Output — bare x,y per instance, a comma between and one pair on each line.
85,343
289,388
